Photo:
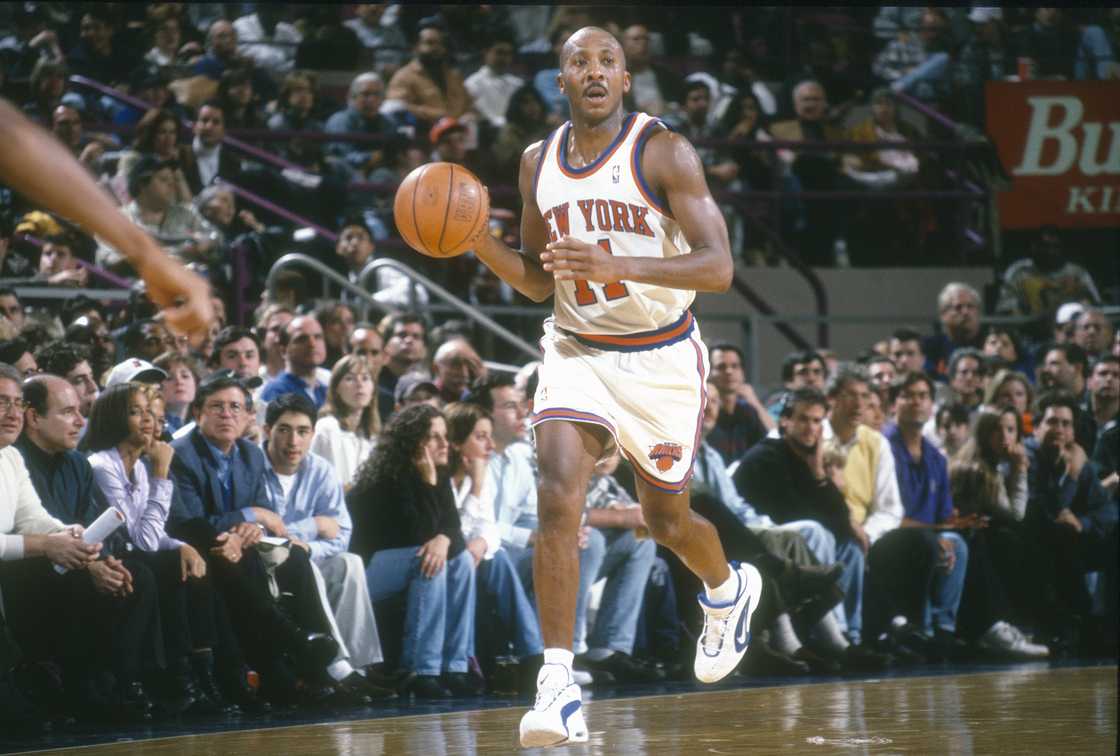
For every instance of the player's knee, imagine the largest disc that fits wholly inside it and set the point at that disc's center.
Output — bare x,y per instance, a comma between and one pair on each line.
557,504
667,528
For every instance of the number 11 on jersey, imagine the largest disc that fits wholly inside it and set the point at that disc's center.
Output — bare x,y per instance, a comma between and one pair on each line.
585,295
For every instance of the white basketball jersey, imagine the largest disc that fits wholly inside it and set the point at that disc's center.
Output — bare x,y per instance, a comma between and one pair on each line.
609,203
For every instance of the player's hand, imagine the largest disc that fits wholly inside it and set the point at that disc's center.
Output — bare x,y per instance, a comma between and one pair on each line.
570,259
183,295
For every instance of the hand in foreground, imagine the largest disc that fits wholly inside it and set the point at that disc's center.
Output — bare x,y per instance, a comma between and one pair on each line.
191,563
228,547
433,555
183,296
67,549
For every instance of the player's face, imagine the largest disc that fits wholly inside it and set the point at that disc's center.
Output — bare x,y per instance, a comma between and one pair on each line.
593,74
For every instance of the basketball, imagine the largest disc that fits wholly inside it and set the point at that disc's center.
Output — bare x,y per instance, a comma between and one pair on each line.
439,208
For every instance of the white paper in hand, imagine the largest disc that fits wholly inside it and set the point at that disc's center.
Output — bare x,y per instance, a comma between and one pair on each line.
100,529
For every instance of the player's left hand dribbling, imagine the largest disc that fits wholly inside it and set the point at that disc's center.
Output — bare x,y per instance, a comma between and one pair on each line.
571,259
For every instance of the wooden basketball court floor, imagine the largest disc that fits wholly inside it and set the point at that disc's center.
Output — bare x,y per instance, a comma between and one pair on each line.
1030,709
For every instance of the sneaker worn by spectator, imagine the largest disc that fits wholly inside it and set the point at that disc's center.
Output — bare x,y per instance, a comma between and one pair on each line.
1008,640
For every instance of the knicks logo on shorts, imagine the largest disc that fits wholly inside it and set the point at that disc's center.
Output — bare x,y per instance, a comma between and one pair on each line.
666,454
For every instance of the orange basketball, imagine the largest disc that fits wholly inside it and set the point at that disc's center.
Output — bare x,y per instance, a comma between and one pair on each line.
439,208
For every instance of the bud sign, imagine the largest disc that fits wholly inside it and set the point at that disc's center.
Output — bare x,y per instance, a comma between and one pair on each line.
1060,142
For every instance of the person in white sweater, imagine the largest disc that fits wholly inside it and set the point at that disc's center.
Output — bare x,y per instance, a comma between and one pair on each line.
348,423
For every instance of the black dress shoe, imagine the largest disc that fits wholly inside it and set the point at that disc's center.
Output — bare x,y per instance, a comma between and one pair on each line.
383,677
864,659
356,681
818,665
464,684
211,700
622,668
762,660
132,704
314,653
425,686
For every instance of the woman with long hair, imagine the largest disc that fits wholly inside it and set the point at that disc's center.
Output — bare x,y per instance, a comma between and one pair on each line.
407,528
988,477
157,133
348,422
1010,388
179,387
500,590
120,439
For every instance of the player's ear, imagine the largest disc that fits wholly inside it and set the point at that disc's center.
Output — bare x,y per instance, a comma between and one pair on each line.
560,81
625,82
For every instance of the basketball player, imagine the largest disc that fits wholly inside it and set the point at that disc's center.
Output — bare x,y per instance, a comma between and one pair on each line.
33,163
619,225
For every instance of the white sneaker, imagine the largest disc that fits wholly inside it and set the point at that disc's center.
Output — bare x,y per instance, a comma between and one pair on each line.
727,627
1005,638
557,714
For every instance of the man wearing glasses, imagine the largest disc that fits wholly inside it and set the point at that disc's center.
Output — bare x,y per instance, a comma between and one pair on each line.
958,307
220,506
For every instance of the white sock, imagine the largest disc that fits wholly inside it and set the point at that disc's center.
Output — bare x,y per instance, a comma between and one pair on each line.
782,636
829,633
726,592
561,656
340,670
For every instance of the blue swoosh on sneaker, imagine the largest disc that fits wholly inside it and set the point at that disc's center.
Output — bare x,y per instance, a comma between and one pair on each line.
741,628
569,709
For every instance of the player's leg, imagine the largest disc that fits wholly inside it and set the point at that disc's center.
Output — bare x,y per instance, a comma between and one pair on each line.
566,454
732,591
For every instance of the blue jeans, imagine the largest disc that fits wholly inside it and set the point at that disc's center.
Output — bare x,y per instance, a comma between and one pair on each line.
946,590
626,567
498,581
822,544
590,560
439,614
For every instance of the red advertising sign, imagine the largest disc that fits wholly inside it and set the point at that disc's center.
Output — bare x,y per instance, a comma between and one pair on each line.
1060,143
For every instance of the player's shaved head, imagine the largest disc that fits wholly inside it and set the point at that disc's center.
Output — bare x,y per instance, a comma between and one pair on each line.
589,35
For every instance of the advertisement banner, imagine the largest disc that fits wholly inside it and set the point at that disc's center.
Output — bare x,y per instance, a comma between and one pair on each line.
1060,143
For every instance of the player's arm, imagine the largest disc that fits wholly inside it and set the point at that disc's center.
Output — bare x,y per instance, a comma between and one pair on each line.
673,170
33,163
521,269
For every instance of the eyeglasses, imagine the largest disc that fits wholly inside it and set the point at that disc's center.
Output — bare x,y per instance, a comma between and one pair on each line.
218,408
7,405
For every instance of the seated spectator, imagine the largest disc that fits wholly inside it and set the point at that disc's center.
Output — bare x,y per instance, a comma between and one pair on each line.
1065,368
99,55
546,80
882,169
743,420
94,335
221,51
238,101
348,423
492,85
384,41
958,306
407,530
71,613
968,373
220,506
64,482
295,107
1103,404
304,351
1003,350
881,372
157,133
406,349
906,351
218,205
1011,389
337,320
918,63
455,367
499,588
875,413
985,56
805,369
355,246
428,86
525,121
1092,332
120,442
17,353
653,89
70,361
813,170
989,473
182,376
165,30
1072,517
47,83
66,124
207,158
265,38
270,324
744,121
1051,44
11,309
304,490
362,116
1038,284
416,388
152,185
952,427
366,342
449,138
58,263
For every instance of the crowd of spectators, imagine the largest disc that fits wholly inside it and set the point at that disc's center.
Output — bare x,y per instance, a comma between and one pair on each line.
338,502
